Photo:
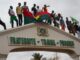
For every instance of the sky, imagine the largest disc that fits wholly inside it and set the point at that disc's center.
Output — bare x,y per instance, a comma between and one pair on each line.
27,55
66,7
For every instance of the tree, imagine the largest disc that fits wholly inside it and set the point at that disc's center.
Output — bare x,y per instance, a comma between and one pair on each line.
37,56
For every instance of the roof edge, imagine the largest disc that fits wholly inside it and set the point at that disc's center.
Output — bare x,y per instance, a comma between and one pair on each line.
16,29
36,24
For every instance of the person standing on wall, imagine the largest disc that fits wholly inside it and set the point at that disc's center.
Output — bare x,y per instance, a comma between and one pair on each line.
12,17
69,25
19,13
53,17
45,9
25,10
3,24
34,9
28,16
62,24
38,9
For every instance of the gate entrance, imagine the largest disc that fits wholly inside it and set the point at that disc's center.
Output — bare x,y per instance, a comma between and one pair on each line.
38,37
47,55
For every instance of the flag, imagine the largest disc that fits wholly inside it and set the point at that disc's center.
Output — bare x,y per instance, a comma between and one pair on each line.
74,20
37,17
28,17
40,16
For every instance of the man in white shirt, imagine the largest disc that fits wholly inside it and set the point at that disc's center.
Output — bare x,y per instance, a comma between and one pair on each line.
12,17
38,9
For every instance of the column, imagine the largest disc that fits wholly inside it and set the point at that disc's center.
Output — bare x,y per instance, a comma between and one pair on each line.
3,57
75,57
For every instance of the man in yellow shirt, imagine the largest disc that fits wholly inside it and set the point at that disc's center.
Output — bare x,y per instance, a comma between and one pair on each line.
19,13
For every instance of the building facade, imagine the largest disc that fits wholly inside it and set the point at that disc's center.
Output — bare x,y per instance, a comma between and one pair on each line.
38,37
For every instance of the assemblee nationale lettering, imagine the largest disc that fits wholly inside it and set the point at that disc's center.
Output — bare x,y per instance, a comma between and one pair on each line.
32,41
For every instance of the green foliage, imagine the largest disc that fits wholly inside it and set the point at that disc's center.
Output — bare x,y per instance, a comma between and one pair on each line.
37,56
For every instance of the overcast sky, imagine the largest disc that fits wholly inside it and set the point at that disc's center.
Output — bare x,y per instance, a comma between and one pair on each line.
28,55
65,7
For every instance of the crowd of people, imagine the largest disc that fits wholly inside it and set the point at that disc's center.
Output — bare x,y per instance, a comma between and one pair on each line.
40,15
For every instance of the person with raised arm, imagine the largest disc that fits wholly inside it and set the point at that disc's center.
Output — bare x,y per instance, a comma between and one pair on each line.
45,8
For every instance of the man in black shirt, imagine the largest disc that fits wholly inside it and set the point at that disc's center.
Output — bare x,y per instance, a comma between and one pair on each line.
34,9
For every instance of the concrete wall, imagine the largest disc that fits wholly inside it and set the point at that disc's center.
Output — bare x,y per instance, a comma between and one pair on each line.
5,47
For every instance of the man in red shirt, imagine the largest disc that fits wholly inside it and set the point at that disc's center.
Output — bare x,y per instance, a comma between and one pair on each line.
28,16
45,8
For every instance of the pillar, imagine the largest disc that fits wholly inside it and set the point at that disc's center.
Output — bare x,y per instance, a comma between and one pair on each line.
3,57
75,57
